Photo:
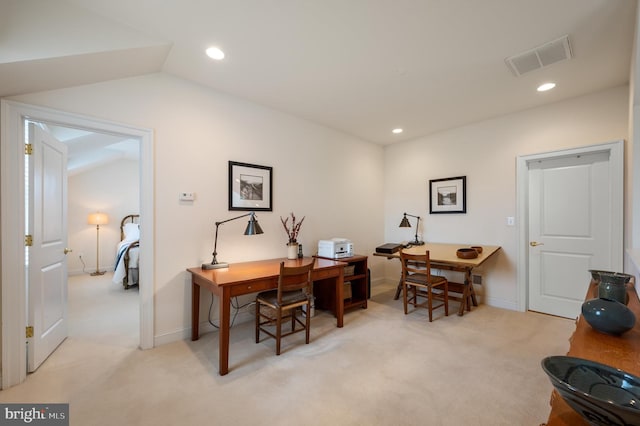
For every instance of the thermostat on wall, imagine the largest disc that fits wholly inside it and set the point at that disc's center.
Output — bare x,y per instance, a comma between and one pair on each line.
187,196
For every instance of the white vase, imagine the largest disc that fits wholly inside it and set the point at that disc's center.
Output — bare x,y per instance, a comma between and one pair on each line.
292,250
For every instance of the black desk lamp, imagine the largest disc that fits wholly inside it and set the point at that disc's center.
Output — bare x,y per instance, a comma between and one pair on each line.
253,228
405,224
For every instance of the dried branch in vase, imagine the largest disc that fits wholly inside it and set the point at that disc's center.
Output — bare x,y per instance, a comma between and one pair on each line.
292,232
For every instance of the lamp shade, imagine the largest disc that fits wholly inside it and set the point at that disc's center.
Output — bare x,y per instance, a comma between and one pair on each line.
97,219
253,227
405,222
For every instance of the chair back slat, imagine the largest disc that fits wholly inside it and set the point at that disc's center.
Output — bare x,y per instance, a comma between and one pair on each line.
294,278
415,264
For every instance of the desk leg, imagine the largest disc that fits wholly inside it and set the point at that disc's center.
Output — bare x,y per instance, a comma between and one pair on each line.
223,332
465,299
340,299
399,289
469,294
471,289
195,311
466,295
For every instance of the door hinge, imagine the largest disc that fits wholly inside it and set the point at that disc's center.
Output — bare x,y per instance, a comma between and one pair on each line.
28,149
29,331
28,240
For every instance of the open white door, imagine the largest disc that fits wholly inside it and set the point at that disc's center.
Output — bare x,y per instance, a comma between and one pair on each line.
46,260
12,221
573,214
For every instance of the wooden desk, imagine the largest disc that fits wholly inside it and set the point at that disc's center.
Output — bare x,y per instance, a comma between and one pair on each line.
247,278
621,352
443,256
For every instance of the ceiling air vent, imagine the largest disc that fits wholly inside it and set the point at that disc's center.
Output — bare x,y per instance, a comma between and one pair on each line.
549,53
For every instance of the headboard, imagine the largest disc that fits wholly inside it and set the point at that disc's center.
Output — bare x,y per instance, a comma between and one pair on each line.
131,218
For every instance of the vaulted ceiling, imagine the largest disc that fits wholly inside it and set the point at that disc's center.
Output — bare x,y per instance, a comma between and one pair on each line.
88,150
363,67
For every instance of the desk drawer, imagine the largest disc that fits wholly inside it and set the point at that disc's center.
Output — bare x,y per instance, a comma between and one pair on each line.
253,287
325,273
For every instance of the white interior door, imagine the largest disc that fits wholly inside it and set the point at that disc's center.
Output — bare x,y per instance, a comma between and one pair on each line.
46,260
571,210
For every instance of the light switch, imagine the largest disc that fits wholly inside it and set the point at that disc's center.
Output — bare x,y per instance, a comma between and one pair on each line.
511,221
187,196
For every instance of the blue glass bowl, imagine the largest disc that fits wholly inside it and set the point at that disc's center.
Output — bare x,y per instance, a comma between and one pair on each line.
601,394
608,316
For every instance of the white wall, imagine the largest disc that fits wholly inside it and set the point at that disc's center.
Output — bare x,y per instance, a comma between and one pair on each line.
333,179
111,188
486,154
344,186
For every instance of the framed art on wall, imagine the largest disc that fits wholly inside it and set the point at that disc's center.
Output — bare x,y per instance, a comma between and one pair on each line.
250,187
448,195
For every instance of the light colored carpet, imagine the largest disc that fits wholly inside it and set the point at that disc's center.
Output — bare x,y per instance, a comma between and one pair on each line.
382,368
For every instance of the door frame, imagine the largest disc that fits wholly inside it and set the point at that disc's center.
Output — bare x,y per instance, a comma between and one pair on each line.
616,170
12,225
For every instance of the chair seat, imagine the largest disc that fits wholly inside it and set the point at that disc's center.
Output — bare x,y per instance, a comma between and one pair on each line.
421,279
290,297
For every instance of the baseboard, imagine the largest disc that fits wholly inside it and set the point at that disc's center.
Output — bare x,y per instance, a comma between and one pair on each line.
501,303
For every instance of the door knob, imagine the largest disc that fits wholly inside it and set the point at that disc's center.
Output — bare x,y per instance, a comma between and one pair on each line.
67,250
535,243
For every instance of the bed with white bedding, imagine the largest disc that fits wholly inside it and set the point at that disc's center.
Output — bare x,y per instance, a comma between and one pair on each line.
127,253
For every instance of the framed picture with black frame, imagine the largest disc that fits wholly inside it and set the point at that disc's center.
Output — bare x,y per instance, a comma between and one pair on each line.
250,187
448,195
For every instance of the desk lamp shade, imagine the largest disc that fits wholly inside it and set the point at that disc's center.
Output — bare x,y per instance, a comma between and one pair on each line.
97,219
253,228
404,223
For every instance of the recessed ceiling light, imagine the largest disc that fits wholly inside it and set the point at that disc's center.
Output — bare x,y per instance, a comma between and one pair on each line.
546,86
215,53
396,131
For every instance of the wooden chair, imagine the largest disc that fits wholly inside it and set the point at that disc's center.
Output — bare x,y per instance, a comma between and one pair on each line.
294,291
417,278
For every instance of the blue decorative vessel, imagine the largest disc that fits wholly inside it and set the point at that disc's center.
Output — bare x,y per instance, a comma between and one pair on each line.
601,394
608,316
611,285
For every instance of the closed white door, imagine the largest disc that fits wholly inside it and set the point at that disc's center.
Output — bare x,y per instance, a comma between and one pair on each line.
571,210
46,259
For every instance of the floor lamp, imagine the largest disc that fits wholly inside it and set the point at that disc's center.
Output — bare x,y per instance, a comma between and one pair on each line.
97,219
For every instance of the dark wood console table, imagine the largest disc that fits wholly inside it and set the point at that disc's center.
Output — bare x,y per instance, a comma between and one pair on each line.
621,352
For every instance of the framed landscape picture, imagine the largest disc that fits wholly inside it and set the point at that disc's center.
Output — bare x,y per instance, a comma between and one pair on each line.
448,195
250,187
